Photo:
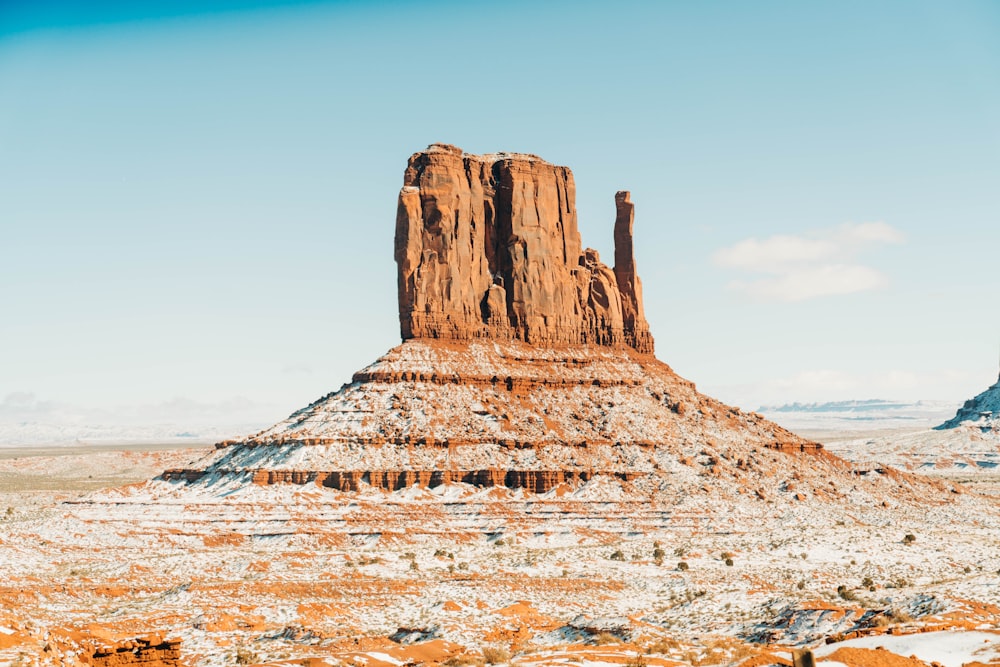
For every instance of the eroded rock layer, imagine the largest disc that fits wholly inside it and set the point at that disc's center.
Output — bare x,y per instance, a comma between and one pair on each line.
509,414
487,246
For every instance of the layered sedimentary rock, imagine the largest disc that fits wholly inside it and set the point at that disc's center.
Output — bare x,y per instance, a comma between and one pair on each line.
487,246
525,363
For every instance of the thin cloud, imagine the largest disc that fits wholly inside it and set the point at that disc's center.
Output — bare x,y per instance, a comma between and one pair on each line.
797,268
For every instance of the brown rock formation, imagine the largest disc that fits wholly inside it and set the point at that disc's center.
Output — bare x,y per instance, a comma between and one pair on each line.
487,246
149,651
526,362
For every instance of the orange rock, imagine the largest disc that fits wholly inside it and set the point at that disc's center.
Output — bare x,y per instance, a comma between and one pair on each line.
487,246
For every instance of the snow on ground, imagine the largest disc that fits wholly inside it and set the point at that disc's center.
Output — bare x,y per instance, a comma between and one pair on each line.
950,648
307,571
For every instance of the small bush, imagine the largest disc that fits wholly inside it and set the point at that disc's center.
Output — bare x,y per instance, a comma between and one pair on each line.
682,566
868,583
801,585
909,538
729,562
494,655
617,555
605,638
244,656
845,593
663,645
900,616
658,555
638,661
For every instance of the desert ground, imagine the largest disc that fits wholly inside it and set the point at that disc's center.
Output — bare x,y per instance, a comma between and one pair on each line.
270,575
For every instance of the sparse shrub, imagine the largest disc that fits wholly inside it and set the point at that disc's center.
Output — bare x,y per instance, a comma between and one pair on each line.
909,538
245,656
499,543
605,638
680,552
726,556
638,661
451,567
494,655
900,616
663,645
967,569
868,583
682,566
413,566
463,565
729,562
409,555
617,555
658,555
801,585
845,593
804,555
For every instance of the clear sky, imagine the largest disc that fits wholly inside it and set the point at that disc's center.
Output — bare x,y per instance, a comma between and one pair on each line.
197,199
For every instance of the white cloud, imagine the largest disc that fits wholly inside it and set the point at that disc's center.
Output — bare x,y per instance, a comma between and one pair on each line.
770,255
798,284
804,267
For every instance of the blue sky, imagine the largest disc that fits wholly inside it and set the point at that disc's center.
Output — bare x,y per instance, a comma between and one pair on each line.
197,199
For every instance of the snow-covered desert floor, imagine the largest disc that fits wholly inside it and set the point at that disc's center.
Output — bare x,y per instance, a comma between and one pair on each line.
584,574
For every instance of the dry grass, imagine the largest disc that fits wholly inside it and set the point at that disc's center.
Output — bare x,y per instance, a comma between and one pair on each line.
494,655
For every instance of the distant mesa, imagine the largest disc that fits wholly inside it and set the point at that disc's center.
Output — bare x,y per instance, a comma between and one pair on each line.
982,410
526,362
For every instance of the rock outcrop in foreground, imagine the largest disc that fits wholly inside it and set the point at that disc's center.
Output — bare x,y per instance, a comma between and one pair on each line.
526,362
488,247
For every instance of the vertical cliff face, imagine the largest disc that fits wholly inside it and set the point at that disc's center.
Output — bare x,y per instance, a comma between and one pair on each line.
487,246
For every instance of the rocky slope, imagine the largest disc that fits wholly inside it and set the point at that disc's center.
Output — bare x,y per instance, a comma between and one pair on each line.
983,409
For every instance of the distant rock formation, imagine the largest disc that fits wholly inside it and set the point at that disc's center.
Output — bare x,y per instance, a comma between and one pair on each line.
984,409
487,246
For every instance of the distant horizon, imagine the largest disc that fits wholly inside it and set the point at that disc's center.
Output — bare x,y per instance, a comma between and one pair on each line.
199,197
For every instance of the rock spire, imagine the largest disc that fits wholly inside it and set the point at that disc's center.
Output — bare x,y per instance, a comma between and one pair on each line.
487,246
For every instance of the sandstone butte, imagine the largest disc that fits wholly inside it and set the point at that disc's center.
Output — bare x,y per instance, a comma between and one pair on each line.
526,362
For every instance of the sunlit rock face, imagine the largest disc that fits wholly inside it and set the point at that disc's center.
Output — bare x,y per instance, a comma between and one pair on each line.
487,246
